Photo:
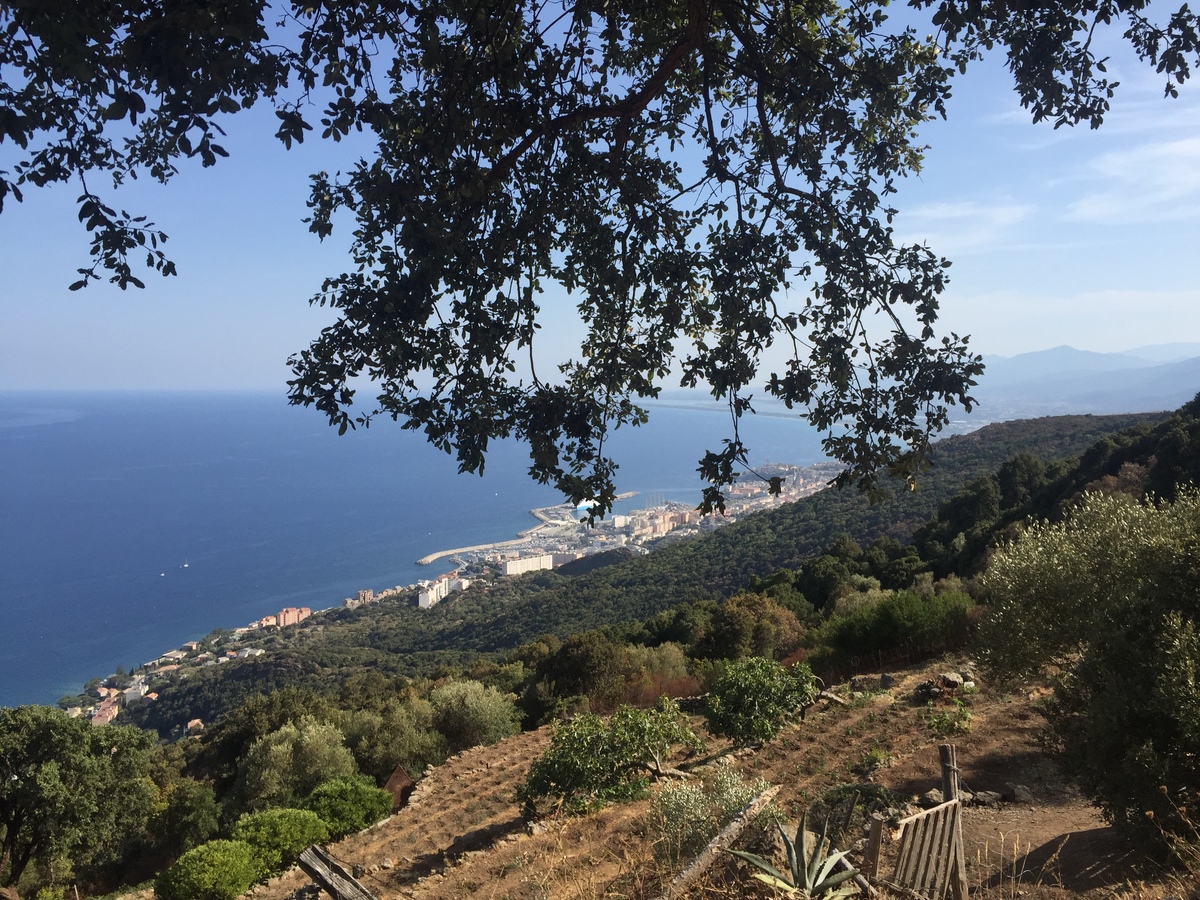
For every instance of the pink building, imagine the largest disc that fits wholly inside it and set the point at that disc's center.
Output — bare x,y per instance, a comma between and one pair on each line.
293,616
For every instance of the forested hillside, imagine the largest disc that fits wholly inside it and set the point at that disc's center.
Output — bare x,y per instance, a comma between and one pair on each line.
399,639
297,739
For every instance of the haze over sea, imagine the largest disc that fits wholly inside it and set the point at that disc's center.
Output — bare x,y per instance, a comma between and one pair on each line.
132,522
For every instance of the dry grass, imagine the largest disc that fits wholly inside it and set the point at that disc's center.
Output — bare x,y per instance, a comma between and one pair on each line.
462,835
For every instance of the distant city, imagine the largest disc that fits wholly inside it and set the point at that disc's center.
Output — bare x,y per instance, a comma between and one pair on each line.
560,537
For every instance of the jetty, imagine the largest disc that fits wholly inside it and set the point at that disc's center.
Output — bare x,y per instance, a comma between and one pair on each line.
547,520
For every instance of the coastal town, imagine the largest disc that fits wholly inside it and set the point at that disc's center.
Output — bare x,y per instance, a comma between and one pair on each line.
561,536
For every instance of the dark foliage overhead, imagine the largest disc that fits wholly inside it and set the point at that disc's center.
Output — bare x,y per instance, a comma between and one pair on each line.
708,179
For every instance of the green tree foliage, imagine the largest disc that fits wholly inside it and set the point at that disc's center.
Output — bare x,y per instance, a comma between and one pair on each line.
283,767
349,803
189,818
750,625
755,697
655,671
468,714
1148,457
218,870
278,836
911,620
676,167
591,760
68,788
214,694
1107,598
400,732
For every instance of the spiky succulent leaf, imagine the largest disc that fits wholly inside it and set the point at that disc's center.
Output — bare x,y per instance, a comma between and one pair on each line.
771,881
761,863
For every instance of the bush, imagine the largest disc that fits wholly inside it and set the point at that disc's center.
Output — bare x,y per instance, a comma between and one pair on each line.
469,714
218,870
754,697
1107,600
687,815
590,761
902,619
279,835
349,804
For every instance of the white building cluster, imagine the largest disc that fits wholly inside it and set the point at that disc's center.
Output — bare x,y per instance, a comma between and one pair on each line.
433,592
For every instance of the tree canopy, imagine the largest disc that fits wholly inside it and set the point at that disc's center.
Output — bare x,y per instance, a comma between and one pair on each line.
1106,600
708,179
67,788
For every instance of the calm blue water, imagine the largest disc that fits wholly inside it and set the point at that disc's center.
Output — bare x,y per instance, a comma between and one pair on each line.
105,497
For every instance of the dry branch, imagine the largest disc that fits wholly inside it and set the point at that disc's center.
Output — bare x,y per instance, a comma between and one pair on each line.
727,836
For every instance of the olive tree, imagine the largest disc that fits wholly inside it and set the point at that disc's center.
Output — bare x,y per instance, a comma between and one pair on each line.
283,767
1106,602
467,714
709,180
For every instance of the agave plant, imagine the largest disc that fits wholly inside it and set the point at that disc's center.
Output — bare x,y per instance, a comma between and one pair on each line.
811,868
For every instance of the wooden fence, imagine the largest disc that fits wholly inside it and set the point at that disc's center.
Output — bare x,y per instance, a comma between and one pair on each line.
930,860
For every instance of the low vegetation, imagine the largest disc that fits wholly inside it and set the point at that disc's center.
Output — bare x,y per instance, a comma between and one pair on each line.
1095,592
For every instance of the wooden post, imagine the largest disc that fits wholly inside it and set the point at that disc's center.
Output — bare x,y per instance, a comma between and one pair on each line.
727,836
949,760
874,842
332,878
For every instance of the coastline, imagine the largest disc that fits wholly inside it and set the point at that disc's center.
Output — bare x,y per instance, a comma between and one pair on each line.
546,521
555,523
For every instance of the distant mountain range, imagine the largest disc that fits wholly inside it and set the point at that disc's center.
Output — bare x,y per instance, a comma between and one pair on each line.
1055,382
1065,380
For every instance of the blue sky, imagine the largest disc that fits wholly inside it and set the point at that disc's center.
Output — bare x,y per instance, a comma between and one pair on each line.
1076,237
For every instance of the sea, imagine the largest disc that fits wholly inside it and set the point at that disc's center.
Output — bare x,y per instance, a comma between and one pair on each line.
133,522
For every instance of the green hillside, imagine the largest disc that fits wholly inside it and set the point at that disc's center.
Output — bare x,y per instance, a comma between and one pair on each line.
398,639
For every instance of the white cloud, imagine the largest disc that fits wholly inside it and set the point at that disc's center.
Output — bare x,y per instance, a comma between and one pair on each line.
1156,181
955,228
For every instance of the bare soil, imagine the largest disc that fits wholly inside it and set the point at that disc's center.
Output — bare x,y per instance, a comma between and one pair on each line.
462,835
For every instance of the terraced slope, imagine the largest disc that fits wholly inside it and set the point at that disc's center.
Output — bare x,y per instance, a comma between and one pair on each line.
462,834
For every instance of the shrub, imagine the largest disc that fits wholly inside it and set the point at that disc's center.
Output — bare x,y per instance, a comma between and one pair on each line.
687,815
279,835
218,870
469,714
349,804
901,619
754,697
1107,599
590,761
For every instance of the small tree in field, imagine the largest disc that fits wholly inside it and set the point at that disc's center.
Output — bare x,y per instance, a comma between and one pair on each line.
349,804
754,697
218,870
590,761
